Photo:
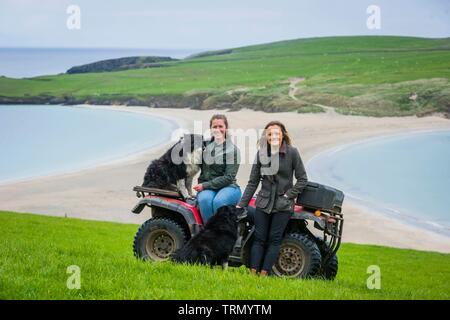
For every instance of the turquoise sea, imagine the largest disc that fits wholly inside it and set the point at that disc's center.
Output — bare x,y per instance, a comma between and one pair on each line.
38,140
406,176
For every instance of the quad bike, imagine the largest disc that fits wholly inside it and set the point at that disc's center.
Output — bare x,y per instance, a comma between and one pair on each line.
302,253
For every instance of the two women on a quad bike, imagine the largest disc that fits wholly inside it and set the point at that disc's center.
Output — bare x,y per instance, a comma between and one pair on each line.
276,162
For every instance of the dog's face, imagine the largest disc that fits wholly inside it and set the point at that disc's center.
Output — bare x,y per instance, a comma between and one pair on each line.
192,142
230,212
196,146
190,149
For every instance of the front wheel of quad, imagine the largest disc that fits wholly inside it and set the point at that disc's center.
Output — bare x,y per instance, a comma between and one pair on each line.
299,257
157,239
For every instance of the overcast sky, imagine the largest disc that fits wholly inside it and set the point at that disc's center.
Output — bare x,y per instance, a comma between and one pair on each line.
210,23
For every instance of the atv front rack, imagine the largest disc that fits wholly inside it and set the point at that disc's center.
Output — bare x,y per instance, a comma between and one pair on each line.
142,192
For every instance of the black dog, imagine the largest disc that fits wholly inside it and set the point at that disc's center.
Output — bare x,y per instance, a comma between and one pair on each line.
214,244
177,167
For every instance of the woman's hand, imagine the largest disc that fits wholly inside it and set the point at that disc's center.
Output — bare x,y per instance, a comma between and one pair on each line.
198,187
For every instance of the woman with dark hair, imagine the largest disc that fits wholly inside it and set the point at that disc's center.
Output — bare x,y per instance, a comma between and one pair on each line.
217,182
277,161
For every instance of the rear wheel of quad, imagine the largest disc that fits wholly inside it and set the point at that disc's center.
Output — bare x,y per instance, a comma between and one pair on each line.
329,268
299,257
157,239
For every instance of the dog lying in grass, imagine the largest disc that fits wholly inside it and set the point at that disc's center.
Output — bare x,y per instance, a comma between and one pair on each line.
214,244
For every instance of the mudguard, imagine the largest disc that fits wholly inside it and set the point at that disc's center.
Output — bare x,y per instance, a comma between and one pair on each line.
189,212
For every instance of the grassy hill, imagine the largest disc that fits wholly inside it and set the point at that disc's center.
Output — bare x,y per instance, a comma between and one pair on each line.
36,251
369,75
120,64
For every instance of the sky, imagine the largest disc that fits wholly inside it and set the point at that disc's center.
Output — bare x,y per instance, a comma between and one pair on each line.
209,24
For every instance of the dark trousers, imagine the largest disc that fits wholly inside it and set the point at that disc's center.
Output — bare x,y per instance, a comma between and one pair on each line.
269,229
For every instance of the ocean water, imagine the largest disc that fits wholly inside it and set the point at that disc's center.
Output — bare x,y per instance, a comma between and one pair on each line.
31,62
406,176
42,140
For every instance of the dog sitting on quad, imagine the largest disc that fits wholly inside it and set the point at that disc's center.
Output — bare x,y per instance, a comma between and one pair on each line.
176,168
214,244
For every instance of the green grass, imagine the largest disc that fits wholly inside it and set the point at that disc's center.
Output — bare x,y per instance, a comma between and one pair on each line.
36,251
370,75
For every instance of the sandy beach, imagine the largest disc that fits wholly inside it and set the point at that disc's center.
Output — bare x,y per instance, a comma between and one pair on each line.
105,192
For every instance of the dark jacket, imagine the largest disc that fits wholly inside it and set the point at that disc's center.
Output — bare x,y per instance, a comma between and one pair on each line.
274,185
220,165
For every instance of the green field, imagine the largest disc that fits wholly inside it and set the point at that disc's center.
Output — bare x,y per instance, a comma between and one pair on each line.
36,251
368,75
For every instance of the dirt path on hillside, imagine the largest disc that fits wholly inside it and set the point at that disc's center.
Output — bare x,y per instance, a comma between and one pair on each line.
293,86
293,90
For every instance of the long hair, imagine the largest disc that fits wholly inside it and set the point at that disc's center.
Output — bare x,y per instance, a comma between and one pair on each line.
286,137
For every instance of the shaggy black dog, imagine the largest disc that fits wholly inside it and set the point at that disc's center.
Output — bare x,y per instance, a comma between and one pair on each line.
214,244
177,167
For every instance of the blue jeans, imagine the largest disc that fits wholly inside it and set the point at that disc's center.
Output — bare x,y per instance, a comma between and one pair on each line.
210,200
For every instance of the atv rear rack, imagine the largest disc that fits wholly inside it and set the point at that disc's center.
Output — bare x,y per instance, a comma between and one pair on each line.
142,192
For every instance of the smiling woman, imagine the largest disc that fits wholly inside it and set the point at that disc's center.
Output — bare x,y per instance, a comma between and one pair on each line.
43,140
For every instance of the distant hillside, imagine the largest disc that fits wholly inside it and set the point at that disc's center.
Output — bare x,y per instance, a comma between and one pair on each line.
210,53
358,75
120,64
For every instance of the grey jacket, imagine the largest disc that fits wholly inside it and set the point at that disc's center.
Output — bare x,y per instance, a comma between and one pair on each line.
278,193
220,165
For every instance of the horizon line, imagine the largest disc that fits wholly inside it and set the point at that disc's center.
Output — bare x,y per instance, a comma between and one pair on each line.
221,48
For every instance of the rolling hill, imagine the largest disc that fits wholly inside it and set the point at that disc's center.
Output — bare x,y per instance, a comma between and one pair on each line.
365,75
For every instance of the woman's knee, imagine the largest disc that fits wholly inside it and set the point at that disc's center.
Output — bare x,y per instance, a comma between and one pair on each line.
205,196
278,227
275,240
260,238
227,196
260,235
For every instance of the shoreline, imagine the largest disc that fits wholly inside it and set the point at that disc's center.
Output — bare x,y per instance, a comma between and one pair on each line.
113,159
105,192
393,212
